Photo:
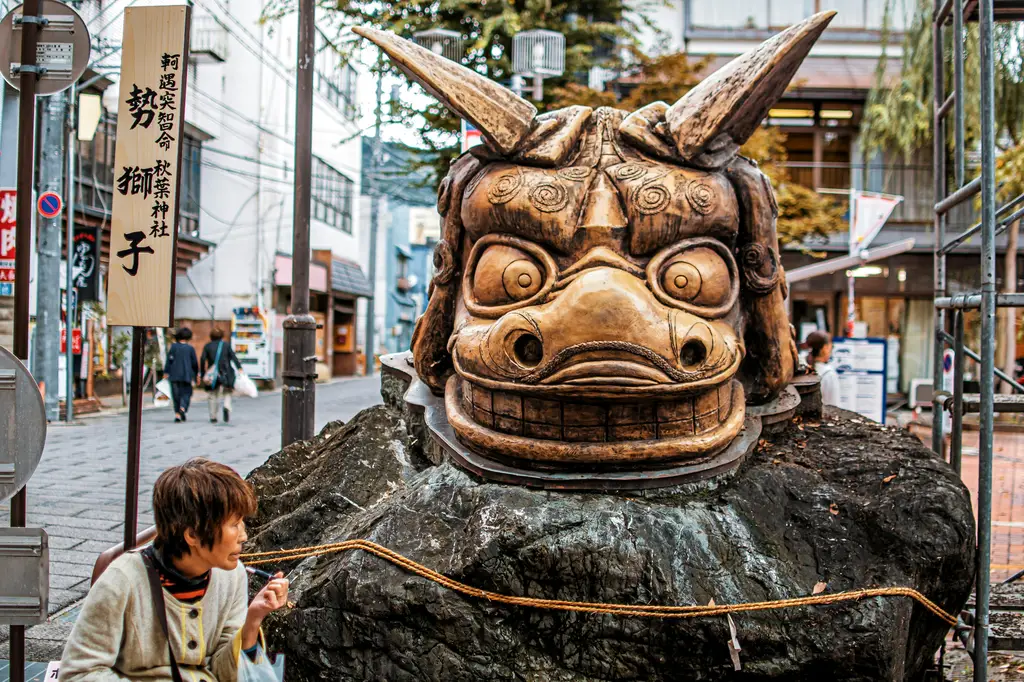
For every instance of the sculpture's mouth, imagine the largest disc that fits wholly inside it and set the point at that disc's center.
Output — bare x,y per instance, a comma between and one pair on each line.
506,423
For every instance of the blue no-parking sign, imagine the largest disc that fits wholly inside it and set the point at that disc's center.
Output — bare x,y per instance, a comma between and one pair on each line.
49,204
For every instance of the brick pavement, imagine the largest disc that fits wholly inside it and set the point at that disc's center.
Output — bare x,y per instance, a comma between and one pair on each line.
1007,498
77,492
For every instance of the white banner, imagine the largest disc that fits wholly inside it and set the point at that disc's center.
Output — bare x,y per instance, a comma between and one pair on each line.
870,211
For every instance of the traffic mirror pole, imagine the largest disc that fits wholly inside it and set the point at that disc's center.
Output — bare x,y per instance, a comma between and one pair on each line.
23,259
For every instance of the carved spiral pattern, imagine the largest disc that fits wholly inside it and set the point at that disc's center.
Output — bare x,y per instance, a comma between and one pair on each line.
700,196
474,182
630,171
444,262
549,197
505,187
760,267
574,173
651,199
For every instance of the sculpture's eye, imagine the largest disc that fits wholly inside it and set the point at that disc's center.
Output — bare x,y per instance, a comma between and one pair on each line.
699,276
505,274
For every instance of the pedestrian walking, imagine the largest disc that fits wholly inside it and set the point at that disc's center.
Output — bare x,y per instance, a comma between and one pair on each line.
181,368
177,609
217,367
820,344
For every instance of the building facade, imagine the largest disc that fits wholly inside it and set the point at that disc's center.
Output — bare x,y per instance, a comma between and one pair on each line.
236,198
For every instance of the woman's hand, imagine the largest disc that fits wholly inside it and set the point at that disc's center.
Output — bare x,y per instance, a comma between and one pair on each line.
272,597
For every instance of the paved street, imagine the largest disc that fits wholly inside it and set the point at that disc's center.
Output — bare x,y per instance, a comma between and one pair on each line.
77,492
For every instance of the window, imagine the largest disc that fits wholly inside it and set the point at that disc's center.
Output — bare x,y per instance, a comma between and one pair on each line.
332,194
191,160
333,79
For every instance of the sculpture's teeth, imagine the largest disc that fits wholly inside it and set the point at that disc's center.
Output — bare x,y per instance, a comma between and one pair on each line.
569,420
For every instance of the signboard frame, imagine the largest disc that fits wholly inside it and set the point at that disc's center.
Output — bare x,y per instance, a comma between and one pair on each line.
145,212
856,375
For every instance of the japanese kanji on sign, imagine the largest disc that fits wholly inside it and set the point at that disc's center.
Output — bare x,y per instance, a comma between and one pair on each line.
147,161
8,203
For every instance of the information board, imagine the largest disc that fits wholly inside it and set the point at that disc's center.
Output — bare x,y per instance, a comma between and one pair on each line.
861,365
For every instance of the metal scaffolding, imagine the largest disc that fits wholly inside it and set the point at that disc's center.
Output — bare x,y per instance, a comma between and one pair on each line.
986,403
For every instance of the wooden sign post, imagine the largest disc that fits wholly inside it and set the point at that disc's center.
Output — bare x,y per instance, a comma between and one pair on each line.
144,220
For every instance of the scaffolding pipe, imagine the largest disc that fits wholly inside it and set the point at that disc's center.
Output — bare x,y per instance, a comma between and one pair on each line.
975,301
986,413
962,194
958,92
938,156
973,229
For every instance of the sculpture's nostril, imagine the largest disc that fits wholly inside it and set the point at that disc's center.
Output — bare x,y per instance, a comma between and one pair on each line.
528,350
693,353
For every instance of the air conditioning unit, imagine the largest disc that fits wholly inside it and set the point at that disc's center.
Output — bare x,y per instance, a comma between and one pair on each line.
921,392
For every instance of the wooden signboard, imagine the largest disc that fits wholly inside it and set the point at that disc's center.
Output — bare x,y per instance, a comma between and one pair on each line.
147,163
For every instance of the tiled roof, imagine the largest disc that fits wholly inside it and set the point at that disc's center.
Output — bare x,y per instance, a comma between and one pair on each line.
348,278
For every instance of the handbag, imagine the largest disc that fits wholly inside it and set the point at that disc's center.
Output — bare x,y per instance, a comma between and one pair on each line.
157,592
213,373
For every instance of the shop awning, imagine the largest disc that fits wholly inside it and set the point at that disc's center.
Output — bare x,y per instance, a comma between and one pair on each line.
348,278
283,273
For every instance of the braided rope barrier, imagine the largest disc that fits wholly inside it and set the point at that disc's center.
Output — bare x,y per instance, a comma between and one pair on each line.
639,610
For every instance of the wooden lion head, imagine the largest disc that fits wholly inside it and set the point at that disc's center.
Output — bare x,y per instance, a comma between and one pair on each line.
608,290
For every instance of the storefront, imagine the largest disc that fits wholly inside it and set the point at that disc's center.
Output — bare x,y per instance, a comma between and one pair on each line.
893,299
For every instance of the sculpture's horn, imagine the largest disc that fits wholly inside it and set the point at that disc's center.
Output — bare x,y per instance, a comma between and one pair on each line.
712,120
501,116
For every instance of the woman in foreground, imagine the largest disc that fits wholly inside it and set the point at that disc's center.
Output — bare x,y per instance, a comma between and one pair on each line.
193,569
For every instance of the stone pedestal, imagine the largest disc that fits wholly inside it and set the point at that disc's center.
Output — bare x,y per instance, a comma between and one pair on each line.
839,501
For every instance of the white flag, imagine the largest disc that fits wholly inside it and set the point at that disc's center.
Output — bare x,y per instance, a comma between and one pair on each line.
870,211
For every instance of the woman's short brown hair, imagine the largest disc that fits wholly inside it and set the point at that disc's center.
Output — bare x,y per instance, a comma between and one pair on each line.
199,495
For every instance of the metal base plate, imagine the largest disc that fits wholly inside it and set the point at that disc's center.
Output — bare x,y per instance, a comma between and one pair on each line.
420,398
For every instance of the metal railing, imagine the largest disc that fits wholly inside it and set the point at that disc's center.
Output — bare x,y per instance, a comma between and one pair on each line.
914,182
209,39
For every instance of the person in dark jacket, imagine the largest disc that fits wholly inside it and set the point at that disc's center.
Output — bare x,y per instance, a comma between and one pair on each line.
224,381
181,369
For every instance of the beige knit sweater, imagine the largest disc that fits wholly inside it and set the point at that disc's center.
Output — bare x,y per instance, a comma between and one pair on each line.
117,636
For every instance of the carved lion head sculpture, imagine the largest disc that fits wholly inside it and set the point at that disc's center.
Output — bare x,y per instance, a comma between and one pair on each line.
608,290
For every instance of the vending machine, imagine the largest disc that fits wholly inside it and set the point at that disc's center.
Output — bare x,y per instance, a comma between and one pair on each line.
251,340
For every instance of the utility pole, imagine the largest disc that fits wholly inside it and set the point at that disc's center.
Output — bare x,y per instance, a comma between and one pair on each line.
299,393
69,248
51,179
371,363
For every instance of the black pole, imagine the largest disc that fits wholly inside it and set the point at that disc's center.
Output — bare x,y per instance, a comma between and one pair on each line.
23,262
299,394
131,498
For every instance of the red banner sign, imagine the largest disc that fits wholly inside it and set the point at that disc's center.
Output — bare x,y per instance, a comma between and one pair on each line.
8,219
76,341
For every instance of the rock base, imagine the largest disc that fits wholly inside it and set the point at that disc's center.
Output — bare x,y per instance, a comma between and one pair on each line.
840,502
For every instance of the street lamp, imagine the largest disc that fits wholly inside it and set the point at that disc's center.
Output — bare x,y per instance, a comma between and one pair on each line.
539,53
441,41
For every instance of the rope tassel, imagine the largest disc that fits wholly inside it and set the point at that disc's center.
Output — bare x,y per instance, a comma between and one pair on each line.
637,610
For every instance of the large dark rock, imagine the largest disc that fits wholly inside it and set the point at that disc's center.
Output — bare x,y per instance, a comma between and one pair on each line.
842,501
